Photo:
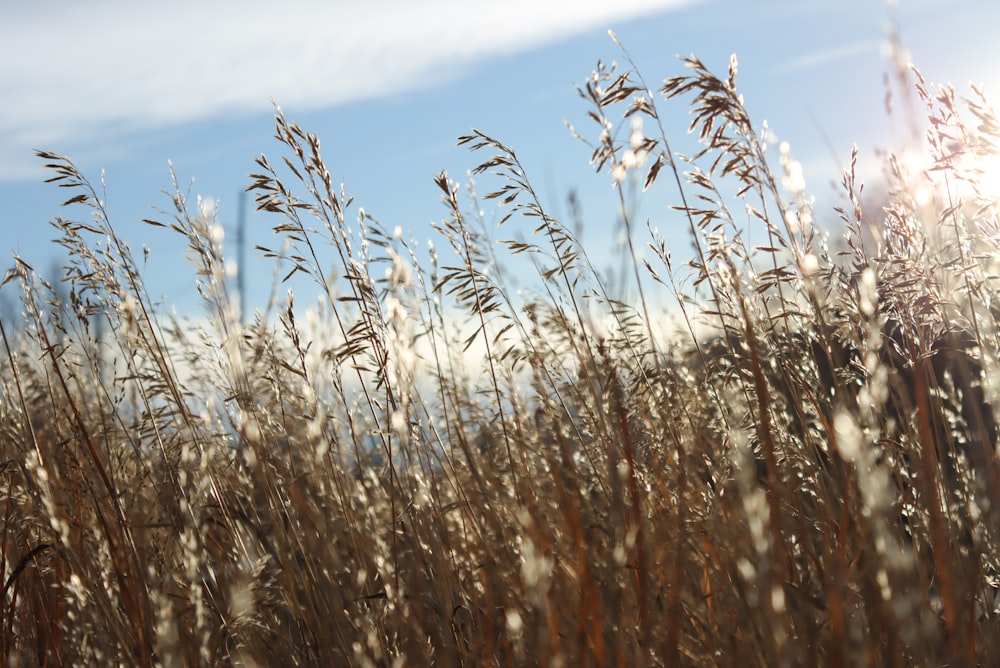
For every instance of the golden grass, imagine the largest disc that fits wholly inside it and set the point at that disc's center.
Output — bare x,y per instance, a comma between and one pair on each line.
815,483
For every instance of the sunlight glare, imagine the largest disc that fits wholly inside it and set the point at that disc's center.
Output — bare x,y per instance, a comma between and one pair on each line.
989,177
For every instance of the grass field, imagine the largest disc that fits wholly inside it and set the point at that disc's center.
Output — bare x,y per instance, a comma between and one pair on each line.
427,466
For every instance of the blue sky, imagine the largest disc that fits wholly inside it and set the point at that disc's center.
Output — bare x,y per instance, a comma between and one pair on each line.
388,85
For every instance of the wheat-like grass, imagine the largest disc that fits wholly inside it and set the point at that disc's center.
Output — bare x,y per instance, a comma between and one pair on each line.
426,467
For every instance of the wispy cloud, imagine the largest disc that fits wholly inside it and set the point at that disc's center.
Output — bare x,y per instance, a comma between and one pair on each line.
73,70
817,58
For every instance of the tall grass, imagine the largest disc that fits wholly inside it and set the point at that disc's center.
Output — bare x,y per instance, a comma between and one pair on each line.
426,467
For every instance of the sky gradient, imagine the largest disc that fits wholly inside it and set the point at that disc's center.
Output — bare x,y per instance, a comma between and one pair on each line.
387,86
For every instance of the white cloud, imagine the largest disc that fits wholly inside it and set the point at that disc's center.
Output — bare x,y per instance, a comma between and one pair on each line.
98,69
